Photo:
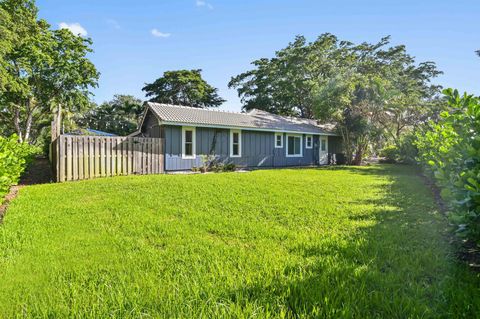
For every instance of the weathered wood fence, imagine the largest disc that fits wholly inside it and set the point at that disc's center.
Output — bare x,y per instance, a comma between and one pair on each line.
85,157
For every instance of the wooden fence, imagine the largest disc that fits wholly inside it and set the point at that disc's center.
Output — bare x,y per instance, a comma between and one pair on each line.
86,157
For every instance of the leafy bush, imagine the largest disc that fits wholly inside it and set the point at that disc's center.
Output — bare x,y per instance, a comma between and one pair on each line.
404,152
210,163
450,152
389,153
14,158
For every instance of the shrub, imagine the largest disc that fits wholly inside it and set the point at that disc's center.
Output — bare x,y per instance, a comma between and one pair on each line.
389,153
14,158
229,167
210,163
450,152
405,152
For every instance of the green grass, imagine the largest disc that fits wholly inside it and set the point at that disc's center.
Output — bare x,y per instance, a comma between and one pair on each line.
349,242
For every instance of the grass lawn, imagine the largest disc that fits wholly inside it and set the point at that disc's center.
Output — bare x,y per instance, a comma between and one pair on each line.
348,242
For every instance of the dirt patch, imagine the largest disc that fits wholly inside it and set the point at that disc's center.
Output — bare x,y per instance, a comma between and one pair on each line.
8,198
38,172
436,193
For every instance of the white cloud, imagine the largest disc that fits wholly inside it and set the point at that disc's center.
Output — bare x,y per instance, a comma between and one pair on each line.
203,3
76,28
158,34
114,24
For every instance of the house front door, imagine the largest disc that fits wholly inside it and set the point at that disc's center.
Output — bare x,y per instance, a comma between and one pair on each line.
323,151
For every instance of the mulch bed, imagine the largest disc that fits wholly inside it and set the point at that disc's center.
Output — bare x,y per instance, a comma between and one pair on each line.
39,172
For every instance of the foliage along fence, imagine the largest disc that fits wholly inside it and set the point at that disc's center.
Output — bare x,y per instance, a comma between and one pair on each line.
14,158
450,151
85,157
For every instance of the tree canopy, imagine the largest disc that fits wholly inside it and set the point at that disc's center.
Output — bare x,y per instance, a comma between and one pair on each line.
43,70
371,91
119,116
183,87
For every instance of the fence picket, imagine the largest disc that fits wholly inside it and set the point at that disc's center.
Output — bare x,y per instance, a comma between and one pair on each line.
86,157
108,156
80,158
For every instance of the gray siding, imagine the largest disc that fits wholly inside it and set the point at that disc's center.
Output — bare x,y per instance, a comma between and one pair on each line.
150,127
258,149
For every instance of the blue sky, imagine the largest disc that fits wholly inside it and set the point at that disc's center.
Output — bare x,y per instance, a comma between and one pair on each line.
136,41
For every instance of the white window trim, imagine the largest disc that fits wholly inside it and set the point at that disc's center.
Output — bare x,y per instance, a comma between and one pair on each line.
311,141
239,143
301,145
281,140
194,142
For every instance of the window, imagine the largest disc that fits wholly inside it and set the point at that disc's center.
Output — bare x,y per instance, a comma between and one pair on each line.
309,141
188,142
235,144
294,146
278,140
324,145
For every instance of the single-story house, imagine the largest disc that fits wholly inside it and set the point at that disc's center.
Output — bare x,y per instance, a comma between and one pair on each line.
252,139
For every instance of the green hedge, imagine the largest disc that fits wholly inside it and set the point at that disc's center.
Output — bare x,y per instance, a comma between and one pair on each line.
404,151
14,158
450,151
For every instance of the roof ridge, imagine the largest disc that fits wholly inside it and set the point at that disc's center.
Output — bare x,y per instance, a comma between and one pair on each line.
197,108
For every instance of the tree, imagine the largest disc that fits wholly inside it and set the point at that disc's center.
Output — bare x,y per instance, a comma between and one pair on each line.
119,116
183,87
286,83
67,81
6,44
370,91
48,69
380,95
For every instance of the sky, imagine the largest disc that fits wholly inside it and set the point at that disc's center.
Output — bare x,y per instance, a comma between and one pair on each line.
134,42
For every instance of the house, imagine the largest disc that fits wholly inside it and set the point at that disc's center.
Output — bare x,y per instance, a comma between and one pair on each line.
252,139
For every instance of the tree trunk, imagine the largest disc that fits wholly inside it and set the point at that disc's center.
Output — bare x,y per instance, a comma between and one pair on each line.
359,153
29,121
347,146
358,157
28,127
16,122
58,120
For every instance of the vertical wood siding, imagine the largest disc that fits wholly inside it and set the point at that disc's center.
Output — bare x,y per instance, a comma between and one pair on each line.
258,149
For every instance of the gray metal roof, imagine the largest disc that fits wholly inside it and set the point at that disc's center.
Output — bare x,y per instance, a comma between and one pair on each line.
254,119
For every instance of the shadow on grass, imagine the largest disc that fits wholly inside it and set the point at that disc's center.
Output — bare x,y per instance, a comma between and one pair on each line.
398,265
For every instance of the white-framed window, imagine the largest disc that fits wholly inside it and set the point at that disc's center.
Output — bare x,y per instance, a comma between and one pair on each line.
235,143
309,141
323,144
294,146
278,140
188,142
